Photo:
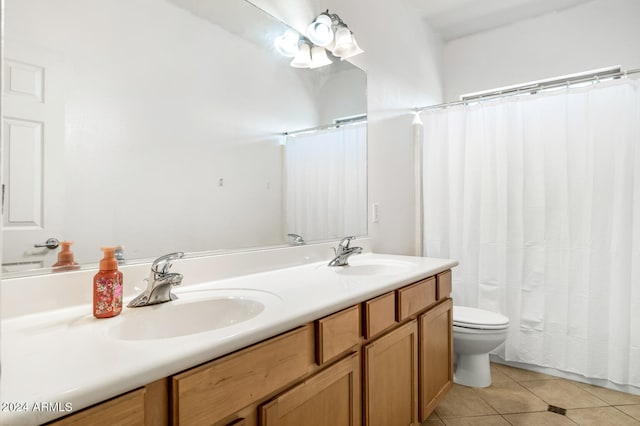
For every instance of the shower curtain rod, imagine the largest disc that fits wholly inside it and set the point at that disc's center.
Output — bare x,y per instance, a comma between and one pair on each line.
531,88
340,123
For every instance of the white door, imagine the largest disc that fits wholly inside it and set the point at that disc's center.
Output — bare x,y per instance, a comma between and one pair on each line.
32,156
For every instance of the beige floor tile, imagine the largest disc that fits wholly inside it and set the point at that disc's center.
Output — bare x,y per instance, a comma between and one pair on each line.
601,416
476,421
631,410
433,416
463,401
433,422
610,396
545,418
563,393
498,376
521,397
510,397
521,375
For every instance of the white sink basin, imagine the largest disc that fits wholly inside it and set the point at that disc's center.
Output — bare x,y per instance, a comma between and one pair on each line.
379,267
193,312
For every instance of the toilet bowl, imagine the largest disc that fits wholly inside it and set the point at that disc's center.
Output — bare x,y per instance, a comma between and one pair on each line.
476,332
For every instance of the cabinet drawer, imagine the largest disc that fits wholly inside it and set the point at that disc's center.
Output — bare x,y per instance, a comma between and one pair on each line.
207,394
337,333
379,314
443,280
127,409
415,297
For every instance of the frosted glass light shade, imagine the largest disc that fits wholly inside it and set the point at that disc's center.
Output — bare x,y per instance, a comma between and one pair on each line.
320,32
319,57
345,44
303,57
287,44
353,50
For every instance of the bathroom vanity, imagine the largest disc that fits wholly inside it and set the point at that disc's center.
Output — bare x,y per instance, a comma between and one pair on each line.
368,343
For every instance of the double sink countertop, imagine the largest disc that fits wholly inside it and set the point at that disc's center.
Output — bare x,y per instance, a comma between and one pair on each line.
66,359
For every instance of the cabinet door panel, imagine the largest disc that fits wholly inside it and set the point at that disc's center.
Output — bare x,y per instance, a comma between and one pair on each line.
391,378
436,356
329,398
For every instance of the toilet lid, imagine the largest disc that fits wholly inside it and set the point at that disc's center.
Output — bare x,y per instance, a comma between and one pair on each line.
464,316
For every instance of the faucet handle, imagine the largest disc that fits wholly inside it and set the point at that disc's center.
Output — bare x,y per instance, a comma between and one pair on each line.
296,239
162,264
344,243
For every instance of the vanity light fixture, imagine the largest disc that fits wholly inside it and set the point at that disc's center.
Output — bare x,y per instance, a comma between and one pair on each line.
326,32
330,31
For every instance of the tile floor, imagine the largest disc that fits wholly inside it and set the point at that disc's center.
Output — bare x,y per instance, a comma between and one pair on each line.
521,397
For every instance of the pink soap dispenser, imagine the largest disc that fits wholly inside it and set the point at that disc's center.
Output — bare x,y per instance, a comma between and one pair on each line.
65,261
107,286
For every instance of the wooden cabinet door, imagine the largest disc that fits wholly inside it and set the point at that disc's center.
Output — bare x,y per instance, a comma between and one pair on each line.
329,398
391,378
436,356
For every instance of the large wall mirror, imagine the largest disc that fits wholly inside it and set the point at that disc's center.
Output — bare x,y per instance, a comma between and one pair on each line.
158,125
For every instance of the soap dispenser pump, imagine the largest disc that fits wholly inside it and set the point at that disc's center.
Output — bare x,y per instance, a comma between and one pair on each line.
65,261
107,286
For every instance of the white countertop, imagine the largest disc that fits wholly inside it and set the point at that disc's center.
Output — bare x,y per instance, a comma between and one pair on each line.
68,357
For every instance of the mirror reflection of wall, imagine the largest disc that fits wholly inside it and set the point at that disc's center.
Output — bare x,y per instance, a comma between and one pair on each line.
143,124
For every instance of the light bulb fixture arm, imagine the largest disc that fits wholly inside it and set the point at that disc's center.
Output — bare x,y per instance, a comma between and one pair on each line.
335,19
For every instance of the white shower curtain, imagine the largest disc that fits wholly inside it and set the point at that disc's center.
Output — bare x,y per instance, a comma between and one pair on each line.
538,197
326,183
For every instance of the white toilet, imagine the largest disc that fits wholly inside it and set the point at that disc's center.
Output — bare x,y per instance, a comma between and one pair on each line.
476,332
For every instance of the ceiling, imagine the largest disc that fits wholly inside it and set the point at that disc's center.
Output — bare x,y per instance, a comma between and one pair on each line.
458,18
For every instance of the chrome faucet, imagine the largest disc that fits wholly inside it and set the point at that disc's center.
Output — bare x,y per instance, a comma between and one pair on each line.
159,282
343,252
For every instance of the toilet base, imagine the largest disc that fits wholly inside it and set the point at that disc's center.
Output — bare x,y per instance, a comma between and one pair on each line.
472,370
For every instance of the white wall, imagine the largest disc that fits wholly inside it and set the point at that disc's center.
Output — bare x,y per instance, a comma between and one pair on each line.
403,63
592,35
330,106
